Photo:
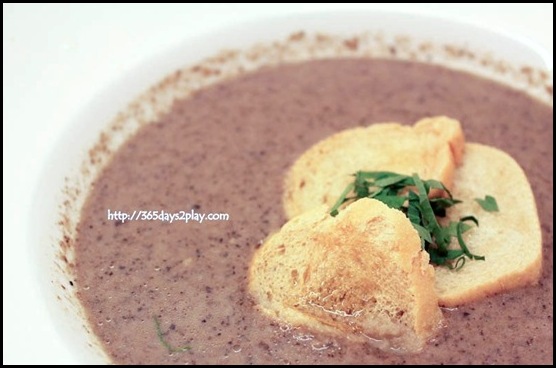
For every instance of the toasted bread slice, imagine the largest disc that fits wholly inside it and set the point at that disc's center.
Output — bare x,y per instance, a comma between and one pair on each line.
433,147
510,239
361,274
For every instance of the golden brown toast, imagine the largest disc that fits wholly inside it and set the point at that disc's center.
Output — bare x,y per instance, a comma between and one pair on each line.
361,274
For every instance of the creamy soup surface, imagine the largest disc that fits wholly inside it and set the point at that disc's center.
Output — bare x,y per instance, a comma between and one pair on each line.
225,150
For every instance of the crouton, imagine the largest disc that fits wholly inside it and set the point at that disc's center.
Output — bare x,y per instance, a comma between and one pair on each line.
432,148
361,274
510,240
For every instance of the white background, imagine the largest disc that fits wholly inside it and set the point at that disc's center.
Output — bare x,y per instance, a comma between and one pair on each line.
57,57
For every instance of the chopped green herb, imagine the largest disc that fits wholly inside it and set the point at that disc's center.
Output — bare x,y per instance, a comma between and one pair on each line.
342,199
171,349
462,244
410,194
488,204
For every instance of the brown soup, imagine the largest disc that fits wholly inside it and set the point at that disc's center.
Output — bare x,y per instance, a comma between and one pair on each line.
226,150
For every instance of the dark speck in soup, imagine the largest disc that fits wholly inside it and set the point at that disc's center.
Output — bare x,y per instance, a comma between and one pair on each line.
226,149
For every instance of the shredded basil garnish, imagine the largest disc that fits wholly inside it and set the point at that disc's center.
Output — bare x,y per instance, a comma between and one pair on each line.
410,194
488,204
171,349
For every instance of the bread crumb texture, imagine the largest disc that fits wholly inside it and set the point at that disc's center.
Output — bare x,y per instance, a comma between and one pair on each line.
361,274
432,148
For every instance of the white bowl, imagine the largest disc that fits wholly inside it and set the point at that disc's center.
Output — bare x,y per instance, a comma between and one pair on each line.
72,149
